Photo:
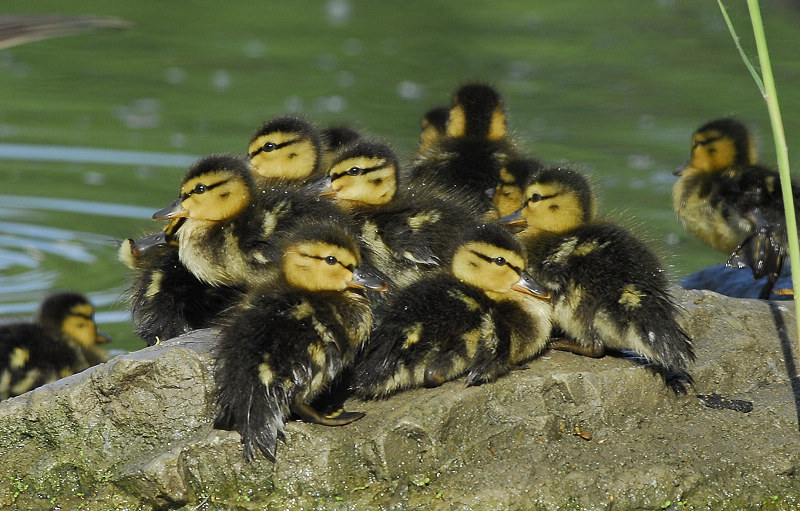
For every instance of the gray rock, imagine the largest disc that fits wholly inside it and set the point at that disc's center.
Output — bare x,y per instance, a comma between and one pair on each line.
566,433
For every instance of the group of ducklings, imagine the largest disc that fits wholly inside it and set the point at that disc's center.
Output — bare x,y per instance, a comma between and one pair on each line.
322,260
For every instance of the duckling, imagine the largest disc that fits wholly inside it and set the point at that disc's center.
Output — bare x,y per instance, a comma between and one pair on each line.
481,317
609,290
469,157
728,201
293,336
62,340
507,196
165,299
433,126
405,234
225,239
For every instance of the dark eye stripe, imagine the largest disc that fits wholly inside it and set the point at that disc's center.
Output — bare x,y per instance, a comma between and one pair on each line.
350,267
488,259
274,148
206,188
364,170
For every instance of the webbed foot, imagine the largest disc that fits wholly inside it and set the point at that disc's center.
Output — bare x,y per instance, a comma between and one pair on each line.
339,417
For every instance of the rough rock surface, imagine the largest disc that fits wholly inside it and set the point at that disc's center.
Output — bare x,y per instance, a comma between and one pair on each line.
566,433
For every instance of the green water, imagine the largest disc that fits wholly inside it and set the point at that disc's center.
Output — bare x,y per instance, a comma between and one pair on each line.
614,88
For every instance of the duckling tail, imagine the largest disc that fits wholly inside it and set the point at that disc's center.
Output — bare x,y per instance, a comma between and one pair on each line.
257,411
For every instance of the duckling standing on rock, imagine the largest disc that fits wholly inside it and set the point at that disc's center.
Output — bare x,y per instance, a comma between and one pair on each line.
481,317
404,233
293,336
62,341
609,290
726,200
469,157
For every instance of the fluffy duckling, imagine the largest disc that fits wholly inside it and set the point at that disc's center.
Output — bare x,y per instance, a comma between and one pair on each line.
63,340
292,337
405,234
165,299
726,200
229,222
468,158
481,317
609,290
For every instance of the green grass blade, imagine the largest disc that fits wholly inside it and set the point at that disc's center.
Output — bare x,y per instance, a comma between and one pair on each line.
738,44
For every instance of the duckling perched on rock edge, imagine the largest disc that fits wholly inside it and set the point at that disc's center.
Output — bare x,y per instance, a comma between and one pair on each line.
293,336
726,200
481,317
609,290
62,341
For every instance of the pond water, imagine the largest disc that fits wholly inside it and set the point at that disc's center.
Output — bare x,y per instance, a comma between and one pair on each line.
96,129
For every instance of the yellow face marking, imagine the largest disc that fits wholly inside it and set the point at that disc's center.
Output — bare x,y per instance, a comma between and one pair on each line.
319,266
507,198
364,180
283,155
488,267
214,196
80,325
551,207
712,151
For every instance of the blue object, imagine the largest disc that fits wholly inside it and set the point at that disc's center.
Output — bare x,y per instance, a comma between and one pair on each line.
738,283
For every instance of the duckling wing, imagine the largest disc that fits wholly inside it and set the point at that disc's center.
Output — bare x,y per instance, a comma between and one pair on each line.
433,325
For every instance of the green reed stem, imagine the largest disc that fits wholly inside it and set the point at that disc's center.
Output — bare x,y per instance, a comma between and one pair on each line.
767,88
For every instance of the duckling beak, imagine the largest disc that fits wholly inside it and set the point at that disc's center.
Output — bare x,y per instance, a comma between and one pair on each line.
323,187
365,280
142,245
679,170
173,210
527,285
514,218
102,337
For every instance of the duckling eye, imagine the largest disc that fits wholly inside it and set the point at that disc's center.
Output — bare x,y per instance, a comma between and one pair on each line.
331,260
536,197
500,261
269,146
354,171
200,188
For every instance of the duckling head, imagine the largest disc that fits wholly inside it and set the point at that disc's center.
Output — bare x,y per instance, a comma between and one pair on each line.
492,260
477,112
556,200
720,144
285,147
215,188
363,174
323,256
507,196
72,314
433,126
